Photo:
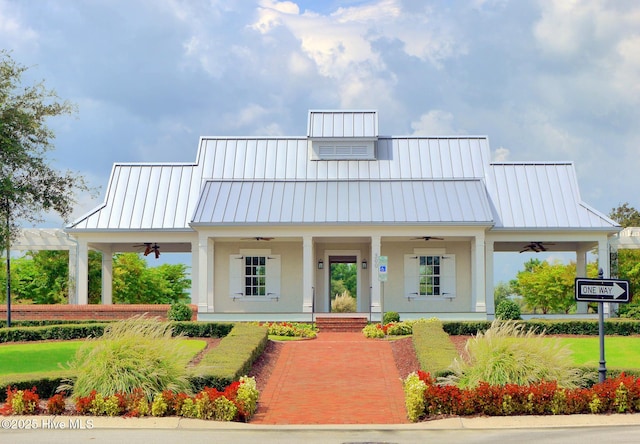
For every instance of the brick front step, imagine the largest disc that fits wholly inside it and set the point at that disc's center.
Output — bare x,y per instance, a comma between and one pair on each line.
341,324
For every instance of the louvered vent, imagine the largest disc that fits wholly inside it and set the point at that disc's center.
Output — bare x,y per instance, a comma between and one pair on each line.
343,150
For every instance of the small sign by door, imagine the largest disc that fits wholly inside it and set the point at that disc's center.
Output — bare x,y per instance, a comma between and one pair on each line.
382,268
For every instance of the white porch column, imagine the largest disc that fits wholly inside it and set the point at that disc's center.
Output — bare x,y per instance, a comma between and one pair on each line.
82,284
107,277
202,273
488,273
478,289
307,274
581,271
73,274
376,297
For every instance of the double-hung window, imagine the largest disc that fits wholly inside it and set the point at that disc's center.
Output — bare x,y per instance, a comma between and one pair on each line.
429,274
254,275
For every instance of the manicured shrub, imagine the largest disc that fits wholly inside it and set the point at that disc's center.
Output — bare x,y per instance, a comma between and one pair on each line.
232,358
614,395
135,354
195,329
63,332
398,328
508,310
291,329
434,349
507,353
373,331
390,316
179,311
414,390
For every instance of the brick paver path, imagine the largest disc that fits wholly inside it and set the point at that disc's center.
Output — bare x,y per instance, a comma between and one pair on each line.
338,378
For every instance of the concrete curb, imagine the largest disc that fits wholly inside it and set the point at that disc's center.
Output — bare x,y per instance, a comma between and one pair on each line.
457,423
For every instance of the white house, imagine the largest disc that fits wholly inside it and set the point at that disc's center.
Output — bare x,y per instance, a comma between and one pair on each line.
265,217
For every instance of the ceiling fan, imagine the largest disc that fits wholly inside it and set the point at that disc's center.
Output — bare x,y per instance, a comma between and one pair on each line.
535,247
258,238
427,238
149,248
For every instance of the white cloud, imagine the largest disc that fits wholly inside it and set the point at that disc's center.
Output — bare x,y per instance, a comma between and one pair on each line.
501,154
435,123
14,33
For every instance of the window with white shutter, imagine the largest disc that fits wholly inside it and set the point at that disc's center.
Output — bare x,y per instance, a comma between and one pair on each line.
430,276
254,276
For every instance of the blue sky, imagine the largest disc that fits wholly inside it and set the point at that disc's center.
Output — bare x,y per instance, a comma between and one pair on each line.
545,80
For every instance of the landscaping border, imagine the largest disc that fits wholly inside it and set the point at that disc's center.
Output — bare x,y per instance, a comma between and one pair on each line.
34,312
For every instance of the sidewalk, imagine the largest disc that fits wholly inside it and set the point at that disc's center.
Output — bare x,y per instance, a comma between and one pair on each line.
338,378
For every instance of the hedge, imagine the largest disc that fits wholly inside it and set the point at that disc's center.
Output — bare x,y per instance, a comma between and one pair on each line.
621,327
232,358
51,332
45,384
44,322
86,330
434,349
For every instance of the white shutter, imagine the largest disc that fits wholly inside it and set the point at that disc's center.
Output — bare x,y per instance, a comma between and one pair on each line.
411,276
448,276
236,274
273,276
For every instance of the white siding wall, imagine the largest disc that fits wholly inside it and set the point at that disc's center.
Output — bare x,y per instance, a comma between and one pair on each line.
291,278
394,292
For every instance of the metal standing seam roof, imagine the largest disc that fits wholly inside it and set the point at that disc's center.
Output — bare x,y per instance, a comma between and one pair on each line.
164,196
246,180
354,202
146,197
540,195
342,124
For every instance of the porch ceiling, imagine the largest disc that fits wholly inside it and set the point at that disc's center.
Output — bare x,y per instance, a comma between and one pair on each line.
139,247
542,246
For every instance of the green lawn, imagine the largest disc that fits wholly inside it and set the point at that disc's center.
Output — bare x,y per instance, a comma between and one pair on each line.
620,351
46,356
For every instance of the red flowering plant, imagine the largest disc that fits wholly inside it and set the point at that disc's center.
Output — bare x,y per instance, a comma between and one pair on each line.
56,405
615,395
21,402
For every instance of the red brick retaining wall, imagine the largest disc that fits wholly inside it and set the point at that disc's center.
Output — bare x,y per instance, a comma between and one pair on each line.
82,312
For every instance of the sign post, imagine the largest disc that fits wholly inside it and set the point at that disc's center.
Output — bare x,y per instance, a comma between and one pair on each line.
601,291
382,277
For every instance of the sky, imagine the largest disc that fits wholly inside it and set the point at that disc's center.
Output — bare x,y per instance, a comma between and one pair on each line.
544,80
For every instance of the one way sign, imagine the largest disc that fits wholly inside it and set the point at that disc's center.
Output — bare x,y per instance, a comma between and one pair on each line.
602,290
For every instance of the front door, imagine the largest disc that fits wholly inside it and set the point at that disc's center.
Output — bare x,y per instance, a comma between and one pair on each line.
343,283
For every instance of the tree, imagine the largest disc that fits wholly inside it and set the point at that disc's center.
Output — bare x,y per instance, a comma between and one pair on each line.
625,215
549,287
135,283
344,277
502,291
29,185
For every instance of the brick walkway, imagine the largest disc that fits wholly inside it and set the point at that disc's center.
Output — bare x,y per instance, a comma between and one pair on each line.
338,378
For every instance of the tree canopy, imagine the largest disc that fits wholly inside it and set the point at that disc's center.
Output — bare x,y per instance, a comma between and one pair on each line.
549,287
29,185
625,215
41,277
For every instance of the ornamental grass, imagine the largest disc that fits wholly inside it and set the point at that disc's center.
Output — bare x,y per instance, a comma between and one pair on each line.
135,354
344,303
509,353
